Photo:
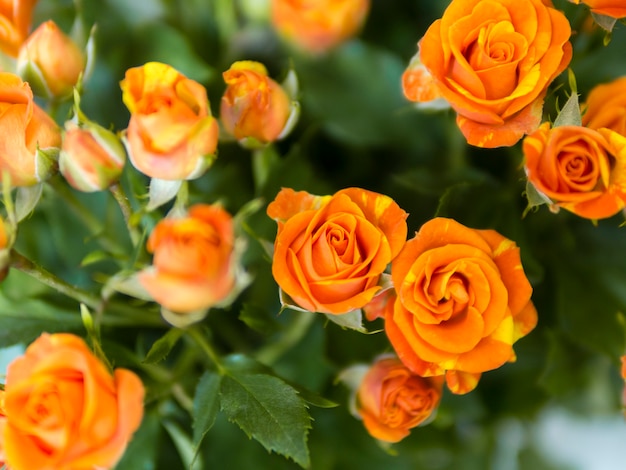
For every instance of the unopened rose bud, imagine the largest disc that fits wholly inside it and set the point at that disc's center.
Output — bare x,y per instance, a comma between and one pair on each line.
50,61
254,106
92,158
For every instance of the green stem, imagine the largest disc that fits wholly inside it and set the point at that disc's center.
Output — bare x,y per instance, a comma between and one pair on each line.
203,342
127,212
20,262
270,353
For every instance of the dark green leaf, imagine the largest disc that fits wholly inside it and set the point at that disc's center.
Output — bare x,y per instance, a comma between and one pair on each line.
142,450
205,405
162,346
269,410
184,446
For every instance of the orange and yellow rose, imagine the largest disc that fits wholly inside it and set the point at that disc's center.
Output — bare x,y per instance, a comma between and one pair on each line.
194,263
493,60
392,400
579,169
65,410
318,25
330,251
31,138
462,301
612,8
606,106
15,17
253,106
52,59
171,134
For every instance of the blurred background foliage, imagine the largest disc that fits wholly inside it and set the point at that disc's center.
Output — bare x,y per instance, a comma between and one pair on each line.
356,129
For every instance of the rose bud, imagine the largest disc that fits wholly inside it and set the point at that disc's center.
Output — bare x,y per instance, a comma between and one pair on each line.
51,61
171,134
195,265
31,138
65,410
15,17
92,158
319,25
606,106
254,106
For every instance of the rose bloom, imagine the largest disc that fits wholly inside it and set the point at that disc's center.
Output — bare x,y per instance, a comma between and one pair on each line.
462,301
606,106
318,25
330,251
612,8
65,410
28,133
253,106
581,170
623,372
392,400
57,59
91,158
171,134
493,60
193,266
15,17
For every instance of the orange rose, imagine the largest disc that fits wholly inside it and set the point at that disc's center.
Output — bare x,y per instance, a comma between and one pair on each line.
92,158
606,106
15,17
171,134
193,266
318,25
253,106
612,8
30,135
330,251
65,410
581,170
463,300
51,57
623,371
493,60
392,400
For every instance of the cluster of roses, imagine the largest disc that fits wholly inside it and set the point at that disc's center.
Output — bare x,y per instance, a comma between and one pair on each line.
456,298
63,406
455,302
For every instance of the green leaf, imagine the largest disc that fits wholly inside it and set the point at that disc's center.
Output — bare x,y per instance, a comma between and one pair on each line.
205,405
352,320
162,346
269,410
241,364
605,22
535,197
26,200
183,444
570,113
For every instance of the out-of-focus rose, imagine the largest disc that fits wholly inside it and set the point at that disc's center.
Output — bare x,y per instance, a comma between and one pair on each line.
194,263
493,60
606,106
623,371
253,106
65,410
392,400
91,158
318,25
52,60
581,170
171,134
15,17
612,8
31,137
330,251
463,300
